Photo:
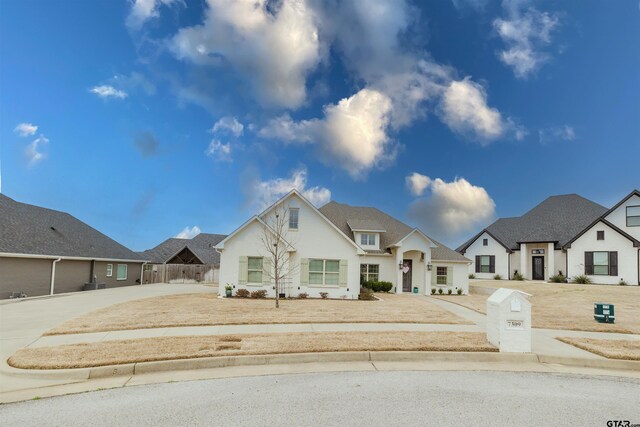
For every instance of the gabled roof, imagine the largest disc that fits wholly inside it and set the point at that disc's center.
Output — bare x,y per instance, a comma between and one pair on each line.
342,215
557,219
617,205
33,230
365,225
201,246
636,242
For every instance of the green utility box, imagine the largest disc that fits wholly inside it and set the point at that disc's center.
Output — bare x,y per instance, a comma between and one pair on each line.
415,290
603,313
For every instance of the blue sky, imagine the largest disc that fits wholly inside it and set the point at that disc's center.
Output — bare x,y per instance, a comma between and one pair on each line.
145,118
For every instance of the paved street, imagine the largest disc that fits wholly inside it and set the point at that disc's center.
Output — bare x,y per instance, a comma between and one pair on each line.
355,398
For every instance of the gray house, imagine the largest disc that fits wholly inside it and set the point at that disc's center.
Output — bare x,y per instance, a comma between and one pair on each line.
46,252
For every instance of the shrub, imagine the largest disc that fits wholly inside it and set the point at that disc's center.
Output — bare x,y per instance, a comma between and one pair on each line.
497,277
242,293
366,294
228,287
259,294
376,286
303,295
440,291
472,276
367,284
324,295
433,291
386,286
581,279
459,291
517,276
623,283
558,278
449,291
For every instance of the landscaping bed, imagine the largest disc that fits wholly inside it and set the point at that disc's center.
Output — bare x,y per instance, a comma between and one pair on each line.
207,310
168,348
612,349
566,306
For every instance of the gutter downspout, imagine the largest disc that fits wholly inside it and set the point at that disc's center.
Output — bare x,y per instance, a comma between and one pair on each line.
219,286
53,274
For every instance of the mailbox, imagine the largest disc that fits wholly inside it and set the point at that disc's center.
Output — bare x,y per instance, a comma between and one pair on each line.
604,313
509,320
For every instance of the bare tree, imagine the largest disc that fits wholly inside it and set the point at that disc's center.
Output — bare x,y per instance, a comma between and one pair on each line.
275,243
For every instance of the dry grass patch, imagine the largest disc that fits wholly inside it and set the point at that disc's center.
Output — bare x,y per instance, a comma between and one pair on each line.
207,309
568,306
612,349
190,347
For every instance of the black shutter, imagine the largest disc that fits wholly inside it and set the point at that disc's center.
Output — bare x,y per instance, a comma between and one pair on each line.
588,263
477,263
492,264
613,263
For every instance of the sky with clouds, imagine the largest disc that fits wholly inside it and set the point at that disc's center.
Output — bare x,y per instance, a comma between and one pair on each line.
157,118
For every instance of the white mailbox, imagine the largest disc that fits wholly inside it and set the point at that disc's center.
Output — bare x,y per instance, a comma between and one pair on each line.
509,320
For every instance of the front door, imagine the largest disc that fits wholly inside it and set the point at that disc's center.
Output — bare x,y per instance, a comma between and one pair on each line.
538,268
407,272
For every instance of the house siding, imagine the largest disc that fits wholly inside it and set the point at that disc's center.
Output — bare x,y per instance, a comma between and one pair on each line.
618,217
29,275
493,248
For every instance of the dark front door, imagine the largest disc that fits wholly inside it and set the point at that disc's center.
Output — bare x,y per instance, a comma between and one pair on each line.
538,268
407,272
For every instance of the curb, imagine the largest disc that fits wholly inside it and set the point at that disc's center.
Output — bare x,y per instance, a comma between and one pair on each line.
328,357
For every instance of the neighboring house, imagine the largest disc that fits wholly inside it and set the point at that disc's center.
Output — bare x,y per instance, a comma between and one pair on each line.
565,234
334,248
43,252
184,260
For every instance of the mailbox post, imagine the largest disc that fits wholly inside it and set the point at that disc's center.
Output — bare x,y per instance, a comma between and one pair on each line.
509,321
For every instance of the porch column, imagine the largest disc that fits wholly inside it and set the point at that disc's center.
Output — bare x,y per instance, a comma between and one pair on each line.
524,256
399,256
427,276
551,260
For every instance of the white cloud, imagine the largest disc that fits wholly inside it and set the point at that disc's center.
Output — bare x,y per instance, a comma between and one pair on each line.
143,10
556,133
525,33
188,233
32,151
106,91
26,129
417,183
452,208
264,193
275,46
219,151
230,125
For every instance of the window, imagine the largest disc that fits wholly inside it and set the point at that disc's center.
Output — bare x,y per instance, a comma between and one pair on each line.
633,216
109,270
601,263
324,272
485,264
600,235
368,239
485,242
369,272
293,218
441,275
254,270
121,273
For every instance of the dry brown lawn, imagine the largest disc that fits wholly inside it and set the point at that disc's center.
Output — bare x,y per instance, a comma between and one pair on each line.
567,306
612,349
207,309
190,347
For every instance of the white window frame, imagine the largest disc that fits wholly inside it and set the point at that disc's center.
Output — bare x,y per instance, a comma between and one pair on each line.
606,273
109,270
441,279
366,275
632,216
126,272
365,239
297,219
254,270
325,273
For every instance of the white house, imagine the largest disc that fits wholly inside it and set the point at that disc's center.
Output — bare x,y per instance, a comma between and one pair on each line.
333,249
563,234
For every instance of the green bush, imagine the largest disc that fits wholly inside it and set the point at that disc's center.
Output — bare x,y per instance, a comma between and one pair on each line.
449,291
433,291
242,293
440,291
581,279
366,294
324,295
366,284
259,294
303,295
497,277
386,286
517,276
459,291
558,278
376,286
472,276
623,283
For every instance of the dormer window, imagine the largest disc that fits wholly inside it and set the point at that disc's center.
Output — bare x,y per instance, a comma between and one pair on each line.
368,239
293,218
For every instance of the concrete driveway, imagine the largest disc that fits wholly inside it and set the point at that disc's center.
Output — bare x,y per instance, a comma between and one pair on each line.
24,321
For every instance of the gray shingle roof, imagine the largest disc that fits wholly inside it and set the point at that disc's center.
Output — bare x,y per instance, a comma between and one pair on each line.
201,246
557,219
33,230
342,215
358,224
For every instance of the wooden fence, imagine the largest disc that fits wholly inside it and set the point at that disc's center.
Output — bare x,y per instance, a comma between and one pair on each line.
180,273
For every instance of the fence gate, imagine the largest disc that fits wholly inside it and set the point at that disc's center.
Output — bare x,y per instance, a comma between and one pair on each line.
180,273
